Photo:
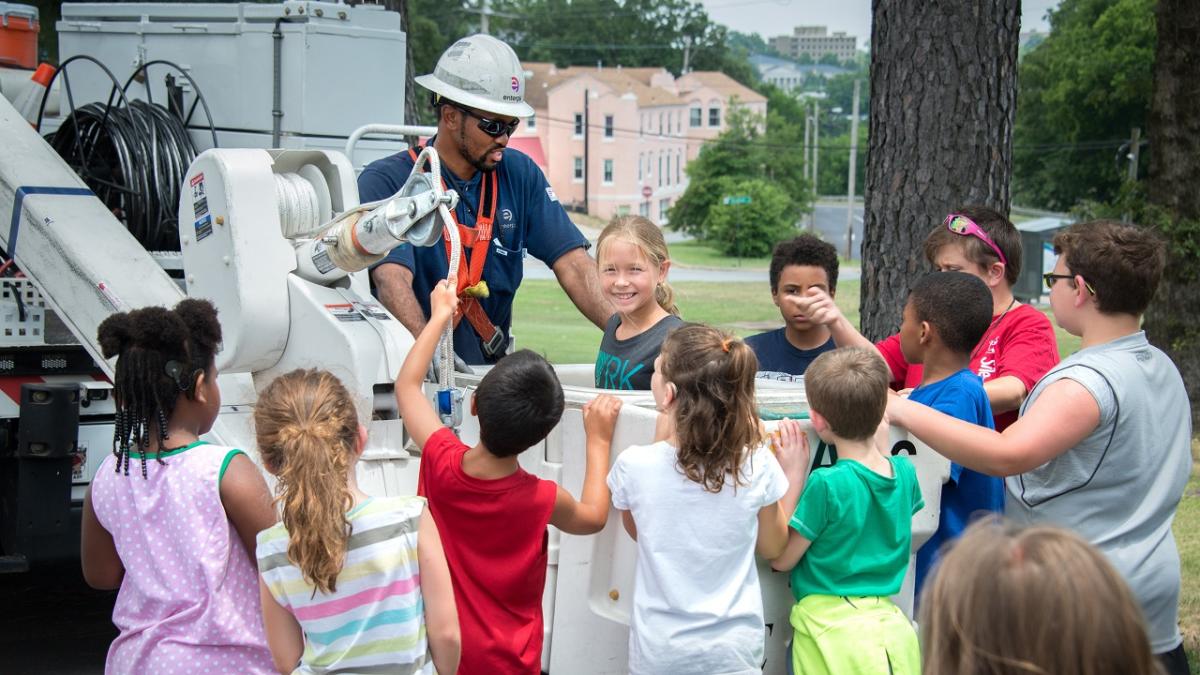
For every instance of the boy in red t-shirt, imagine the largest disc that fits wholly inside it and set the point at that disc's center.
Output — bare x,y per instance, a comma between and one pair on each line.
492,514
1019,346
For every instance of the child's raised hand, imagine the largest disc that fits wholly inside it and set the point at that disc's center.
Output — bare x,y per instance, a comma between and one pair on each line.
443,300
791,448
818,307
600,416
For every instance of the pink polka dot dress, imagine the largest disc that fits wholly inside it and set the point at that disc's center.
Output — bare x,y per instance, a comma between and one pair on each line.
189,600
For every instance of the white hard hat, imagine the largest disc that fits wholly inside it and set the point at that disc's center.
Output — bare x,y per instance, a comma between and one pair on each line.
480,72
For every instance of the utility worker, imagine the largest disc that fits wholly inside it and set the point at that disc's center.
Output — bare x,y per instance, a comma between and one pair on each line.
506,207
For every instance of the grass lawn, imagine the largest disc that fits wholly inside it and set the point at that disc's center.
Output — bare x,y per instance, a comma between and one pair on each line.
547,322
696,254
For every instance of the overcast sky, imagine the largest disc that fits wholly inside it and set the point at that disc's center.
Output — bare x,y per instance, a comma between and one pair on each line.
769,18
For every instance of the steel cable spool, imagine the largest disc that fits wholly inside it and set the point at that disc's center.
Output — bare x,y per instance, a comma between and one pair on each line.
134,158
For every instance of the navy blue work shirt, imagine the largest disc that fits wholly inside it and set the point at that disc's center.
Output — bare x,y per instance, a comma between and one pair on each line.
529,219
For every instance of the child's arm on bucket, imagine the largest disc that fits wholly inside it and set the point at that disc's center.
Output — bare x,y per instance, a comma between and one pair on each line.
590,513
792,451
420,419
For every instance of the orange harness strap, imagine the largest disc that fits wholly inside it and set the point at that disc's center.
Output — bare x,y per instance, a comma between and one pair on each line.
478,240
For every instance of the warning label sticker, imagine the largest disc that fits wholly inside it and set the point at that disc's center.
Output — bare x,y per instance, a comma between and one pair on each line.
372,310
203,227
199,196
345,312
320,258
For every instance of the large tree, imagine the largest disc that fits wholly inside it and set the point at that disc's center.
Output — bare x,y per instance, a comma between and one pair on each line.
943,98
1080,93
1173,322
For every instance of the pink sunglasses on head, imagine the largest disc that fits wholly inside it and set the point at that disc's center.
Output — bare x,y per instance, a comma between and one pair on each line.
964,226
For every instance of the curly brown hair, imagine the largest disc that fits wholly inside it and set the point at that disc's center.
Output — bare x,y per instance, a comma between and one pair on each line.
161,354
716,419
307,431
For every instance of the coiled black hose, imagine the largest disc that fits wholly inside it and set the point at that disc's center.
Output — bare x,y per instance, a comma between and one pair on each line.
134,158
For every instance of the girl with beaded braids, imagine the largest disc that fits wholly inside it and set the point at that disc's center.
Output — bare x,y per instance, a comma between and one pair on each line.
177,534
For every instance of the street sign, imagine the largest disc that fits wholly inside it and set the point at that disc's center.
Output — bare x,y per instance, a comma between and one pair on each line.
647,191
736,199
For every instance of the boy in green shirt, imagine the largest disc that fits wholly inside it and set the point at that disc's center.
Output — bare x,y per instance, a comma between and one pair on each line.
852,529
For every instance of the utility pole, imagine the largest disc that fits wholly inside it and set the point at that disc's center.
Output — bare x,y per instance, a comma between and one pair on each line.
687,53
587,94
816,142
807,144
853,171
1135,139
483,16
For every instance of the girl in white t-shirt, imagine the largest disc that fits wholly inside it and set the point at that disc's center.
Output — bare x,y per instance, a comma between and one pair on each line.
700,504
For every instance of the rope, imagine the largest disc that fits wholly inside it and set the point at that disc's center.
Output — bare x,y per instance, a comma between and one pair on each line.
299,209
446,345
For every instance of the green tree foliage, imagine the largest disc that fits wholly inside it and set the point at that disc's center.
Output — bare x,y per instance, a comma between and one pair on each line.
750,229
746,151
834,167
1080,93
631,33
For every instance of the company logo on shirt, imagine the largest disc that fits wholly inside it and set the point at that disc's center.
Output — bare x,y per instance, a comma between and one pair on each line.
550,193
507,220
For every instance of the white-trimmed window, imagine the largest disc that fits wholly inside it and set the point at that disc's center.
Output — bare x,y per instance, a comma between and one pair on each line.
608,126
695,117
644,209
664,205
608,172
641,161
714,116
578,125
660,171
678,166
579,169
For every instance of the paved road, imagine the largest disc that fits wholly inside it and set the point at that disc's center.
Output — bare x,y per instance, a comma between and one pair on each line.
830,222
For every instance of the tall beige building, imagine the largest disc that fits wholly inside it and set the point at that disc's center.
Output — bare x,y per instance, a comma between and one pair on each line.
815,42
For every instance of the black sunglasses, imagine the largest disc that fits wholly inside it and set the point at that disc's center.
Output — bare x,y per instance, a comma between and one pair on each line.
491,127
1050,278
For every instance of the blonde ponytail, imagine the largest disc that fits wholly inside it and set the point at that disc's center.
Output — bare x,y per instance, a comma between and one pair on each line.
665,295
307,432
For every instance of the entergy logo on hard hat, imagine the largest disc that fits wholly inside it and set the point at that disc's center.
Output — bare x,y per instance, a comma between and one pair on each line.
516,84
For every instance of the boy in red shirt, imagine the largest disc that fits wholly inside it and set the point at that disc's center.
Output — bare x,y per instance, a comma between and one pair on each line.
1019,346
492,514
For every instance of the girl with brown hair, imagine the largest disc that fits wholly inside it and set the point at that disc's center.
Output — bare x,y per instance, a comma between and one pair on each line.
699,504
1007,601
348,581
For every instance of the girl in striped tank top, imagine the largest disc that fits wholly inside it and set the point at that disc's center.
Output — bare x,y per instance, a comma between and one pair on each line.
349,583
175,533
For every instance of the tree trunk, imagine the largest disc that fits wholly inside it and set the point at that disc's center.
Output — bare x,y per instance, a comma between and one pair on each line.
943,99
1173,319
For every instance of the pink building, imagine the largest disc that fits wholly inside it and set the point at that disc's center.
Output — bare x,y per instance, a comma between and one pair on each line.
641,126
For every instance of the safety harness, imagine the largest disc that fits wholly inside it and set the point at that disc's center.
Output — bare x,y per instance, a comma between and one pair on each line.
471,286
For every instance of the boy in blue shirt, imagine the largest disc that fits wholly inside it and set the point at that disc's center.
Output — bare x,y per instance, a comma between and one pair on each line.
945,317
796,266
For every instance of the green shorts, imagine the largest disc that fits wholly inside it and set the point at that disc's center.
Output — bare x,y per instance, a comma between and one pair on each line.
852,636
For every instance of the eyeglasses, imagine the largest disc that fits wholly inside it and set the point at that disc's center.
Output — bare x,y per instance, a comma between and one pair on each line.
964,226
1051,277
491,127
